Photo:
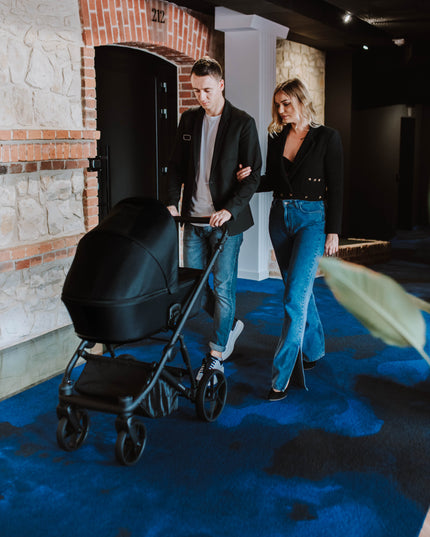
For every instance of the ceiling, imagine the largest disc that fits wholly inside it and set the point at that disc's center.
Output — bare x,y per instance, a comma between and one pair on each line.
320,23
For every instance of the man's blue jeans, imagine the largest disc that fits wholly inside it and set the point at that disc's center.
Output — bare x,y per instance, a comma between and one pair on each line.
297,233
220,303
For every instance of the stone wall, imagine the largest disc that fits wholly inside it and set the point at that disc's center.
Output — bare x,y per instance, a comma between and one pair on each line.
29,301
48,122
40,64
40,206
307,63
41,203
37,207
48,117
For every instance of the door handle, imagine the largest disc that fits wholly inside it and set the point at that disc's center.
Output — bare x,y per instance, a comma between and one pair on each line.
95,163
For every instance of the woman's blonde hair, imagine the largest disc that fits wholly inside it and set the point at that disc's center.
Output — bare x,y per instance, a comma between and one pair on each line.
293,88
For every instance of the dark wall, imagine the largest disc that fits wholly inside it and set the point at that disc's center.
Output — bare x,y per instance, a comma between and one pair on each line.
391,75
421,206
373,202
367,95
338,103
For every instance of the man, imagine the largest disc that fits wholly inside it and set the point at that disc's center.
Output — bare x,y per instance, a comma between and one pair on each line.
212,140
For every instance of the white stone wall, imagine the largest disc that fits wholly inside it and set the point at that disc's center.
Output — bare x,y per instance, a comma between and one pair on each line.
30,302
40,64
37,207
307,63
40,89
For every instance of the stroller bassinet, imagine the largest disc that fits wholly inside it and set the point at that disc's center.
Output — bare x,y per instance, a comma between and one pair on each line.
125,277
125,285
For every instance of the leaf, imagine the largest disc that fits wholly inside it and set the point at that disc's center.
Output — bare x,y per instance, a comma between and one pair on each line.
421,304
378,302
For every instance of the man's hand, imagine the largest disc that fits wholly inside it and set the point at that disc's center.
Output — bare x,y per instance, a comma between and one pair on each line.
173,210
219,218
331,244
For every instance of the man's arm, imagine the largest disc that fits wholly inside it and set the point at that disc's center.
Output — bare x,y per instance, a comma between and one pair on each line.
249,155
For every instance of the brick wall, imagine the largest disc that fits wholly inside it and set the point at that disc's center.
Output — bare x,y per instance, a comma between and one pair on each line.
48,121
181,39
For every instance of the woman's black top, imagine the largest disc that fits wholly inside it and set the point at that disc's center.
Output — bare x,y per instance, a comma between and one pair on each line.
315,174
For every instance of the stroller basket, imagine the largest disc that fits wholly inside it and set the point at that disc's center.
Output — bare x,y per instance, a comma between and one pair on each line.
125,376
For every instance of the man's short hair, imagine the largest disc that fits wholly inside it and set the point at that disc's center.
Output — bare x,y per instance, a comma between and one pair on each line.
207,66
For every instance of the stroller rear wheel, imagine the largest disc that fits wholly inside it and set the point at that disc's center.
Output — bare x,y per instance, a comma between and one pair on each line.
211,395
130,444
72,431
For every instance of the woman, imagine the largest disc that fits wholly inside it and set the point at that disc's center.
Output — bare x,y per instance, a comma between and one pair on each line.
304,169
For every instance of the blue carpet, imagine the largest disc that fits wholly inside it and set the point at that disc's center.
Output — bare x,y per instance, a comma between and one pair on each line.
348,457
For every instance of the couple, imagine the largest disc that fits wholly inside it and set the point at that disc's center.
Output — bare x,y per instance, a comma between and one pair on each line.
217,158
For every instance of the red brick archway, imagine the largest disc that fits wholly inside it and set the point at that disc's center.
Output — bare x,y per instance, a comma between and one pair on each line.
156,26
153,25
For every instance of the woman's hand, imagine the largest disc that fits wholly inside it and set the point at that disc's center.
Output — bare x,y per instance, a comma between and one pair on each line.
173,210
331,244
243,173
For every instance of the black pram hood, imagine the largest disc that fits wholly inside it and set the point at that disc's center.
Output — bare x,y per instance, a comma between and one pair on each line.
133,252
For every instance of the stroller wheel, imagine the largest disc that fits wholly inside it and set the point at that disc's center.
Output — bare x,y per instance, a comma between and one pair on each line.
71,433
211,395
130,445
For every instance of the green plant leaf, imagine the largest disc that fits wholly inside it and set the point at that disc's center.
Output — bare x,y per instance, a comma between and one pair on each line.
378,302
421,304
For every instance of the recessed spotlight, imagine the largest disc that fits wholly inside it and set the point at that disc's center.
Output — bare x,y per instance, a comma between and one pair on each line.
399,42
347,17
365,47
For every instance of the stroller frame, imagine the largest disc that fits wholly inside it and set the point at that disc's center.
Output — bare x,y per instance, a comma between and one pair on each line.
209,394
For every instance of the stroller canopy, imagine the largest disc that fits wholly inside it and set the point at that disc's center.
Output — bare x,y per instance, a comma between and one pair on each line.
132,253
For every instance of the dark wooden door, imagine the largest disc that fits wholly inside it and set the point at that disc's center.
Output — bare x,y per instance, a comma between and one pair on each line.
137,117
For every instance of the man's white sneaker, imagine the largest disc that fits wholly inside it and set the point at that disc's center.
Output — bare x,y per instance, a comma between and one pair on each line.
234,334
209,363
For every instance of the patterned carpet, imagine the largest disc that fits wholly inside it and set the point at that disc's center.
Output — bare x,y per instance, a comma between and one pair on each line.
350,456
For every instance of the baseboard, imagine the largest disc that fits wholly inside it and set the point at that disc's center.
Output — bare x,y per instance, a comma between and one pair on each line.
34,361
253,275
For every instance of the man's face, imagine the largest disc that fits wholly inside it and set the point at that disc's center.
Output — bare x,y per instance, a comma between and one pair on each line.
208,91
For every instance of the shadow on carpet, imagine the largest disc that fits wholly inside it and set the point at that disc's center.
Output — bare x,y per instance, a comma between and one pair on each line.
347,457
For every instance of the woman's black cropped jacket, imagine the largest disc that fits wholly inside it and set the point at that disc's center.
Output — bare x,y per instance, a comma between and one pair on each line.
316,173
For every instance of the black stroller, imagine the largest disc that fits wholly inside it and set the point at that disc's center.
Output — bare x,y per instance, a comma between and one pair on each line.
125,285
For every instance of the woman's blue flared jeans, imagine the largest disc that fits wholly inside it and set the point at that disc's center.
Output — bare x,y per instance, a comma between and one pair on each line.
297,233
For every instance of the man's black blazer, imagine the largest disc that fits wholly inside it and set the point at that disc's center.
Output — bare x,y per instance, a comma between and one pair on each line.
315,174
236,143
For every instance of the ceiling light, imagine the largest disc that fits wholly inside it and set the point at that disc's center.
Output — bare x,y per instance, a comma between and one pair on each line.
347,17
365,47
399,42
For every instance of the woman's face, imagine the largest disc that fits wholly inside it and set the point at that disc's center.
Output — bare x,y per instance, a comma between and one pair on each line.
288,108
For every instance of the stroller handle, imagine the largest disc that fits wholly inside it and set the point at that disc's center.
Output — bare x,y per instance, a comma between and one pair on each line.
199,220
192,219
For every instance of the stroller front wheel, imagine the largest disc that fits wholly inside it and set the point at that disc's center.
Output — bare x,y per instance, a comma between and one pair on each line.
70,435
211,395
130,445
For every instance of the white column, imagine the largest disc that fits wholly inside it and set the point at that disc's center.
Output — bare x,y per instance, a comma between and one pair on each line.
250,77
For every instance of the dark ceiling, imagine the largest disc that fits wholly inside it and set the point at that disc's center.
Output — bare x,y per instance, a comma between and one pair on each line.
384,74
320,23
